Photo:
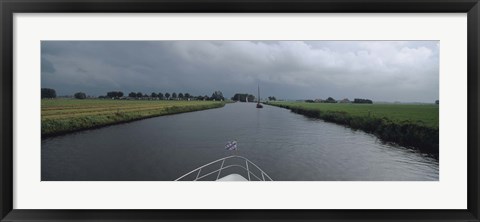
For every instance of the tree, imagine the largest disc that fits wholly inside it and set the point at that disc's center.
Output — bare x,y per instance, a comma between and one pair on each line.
114,94
330,100
437,102
139,95
80,95
174,95
272,98
251,98
111,94
235,97
187,95
153,95
160,95
132,94
167,95
48,93
239,97
180,95
242,97
217,95
367,101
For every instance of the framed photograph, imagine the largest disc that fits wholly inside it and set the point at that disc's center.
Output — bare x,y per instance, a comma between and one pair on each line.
227,110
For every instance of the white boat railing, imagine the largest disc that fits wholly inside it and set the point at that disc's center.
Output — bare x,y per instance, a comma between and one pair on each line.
246,168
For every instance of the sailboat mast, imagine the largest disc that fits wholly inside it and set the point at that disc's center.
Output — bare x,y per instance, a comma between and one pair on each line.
258,100
259,106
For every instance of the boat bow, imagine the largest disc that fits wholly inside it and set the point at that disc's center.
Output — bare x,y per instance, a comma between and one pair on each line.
243,170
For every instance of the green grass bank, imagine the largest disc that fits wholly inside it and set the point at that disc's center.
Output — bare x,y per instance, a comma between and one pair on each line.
410,125
60,116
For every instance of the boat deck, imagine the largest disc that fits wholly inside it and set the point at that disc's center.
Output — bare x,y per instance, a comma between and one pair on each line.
231,168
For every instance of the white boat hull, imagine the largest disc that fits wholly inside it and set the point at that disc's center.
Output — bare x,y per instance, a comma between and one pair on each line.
204,173
233,177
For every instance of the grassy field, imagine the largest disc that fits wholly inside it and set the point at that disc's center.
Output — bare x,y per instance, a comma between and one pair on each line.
411,125
421,114
67,115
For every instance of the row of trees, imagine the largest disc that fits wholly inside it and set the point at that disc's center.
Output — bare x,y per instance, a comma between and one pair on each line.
367,101
328,100
47,93
243,97
332,100
217,95
114,94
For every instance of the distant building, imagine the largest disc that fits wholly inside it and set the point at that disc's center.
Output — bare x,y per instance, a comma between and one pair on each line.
346,100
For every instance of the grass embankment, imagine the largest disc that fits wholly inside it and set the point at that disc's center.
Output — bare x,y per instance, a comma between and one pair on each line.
61,116
410,125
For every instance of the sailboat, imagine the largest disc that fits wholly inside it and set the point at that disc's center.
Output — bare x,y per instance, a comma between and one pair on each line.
259,106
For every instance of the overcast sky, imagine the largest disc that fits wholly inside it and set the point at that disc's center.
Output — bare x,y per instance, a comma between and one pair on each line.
406,71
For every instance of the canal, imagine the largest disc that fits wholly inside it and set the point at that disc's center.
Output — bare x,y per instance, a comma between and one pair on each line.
287,146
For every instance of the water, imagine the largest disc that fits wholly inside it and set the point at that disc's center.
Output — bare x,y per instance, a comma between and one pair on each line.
287,146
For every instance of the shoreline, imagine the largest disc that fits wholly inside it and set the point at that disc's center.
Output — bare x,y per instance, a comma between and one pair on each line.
408,134
71,125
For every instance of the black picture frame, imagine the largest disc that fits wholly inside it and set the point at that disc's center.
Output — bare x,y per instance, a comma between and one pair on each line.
9,7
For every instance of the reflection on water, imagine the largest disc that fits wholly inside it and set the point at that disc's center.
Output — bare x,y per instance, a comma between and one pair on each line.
287,146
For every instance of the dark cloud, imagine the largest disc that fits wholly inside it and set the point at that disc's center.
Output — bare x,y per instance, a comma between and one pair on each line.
47,66
380,70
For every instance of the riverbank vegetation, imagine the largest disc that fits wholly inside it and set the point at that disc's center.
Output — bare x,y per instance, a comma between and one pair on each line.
61,116
410,125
